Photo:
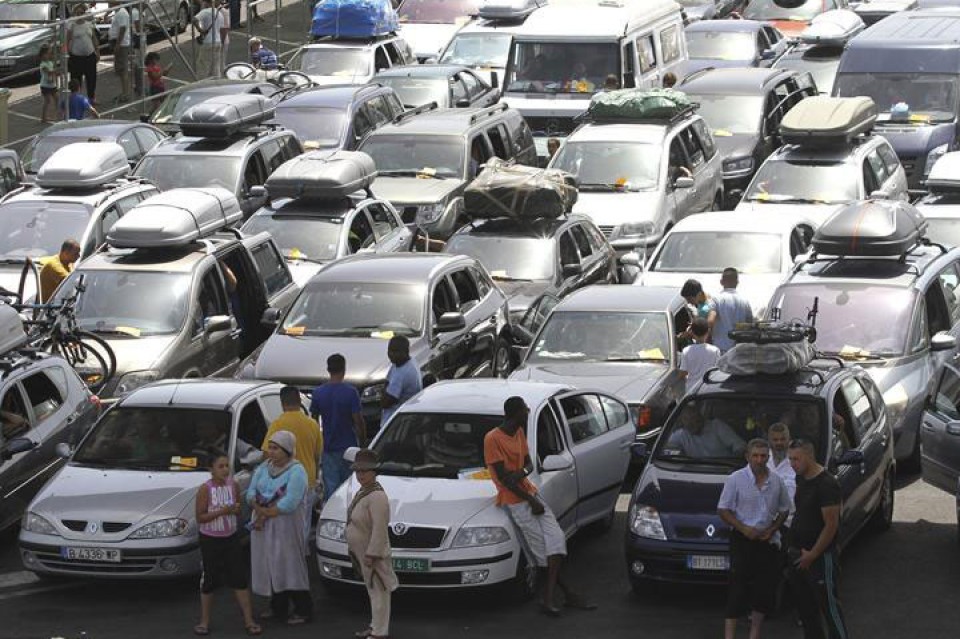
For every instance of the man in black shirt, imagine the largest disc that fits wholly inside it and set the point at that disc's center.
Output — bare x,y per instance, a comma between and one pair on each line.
814,570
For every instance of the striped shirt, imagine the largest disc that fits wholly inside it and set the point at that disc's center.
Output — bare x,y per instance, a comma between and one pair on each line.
755,506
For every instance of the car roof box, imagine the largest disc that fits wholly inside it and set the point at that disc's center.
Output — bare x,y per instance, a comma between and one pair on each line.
945,173
833,28
12,334
226,115
871,228
824,121
322,175
83,165
509,9
175,218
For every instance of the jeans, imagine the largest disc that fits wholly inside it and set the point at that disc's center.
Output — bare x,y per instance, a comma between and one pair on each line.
335,470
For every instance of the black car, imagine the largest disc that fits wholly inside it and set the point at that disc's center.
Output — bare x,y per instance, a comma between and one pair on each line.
449,85
176,104
743,108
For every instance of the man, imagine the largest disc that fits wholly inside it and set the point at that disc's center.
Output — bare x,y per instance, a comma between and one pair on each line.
815,570
778,436
704,438
754,503
305,429
553,145
727,310
507,458
57,269
337,404
669,80
119,36
262,57
213,25
403,379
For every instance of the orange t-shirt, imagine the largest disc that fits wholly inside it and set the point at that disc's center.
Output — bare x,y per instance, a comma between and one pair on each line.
498,446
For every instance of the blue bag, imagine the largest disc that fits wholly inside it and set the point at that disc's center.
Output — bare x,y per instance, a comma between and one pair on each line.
353,18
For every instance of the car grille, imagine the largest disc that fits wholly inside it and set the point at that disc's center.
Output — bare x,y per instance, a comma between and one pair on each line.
699,533
77,525
607,230
550,126
416,537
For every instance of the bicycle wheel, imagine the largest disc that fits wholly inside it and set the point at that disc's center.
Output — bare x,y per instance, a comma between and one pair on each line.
103,348
90,365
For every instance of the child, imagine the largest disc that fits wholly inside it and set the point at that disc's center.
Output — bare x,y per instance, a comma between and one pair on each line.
218,504
77,105
155,73
48,84
699,357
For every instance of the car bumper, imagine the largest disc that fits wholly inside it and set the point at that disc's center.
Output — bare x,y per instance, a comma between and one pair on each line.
150,559
12,66
667,561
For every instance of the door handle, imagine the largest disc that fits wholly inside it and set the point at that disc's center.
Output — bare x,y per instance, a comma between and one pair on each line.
926,426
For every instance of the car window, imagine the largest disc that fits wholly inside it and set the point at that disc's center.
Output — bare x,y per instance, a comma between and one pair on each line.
396,58
252,426
670,43
13,410
878,166
271,406
860,410
466,288
889,158
43,395
394,104
362,125
253,172
938,313
706,138
692,144
8,175
772,35
584,416
380,60
678,159
457,90
949,280
110,217
361,234
549,439
211,300
130,201
380,110
499,141
568,249
616,413
272,157
645,51
582,242
597,240
474,88
762,44
130,145
844,436
289,147
273,270
947,399
920,330
384,222
870,180
443,299
483,282
147,138
537,314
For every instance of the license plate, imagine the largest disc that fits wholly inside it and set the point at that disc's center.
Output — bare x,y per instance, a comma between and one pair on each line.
708,562
411,564
106,555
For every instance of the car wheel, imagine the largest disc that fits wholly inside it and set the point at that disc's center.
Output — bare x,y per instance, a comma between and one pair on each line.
523,586
183,18
882,518
502,359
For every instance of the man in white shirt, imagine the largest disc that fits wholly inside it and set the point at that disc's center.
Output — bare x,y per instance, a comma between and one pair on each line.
119,36
213,25
699,357
778,435
727,310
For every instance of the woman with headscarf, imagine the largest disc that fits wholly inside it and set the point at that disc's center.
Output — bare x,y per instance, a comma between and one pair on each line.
277,494
369,544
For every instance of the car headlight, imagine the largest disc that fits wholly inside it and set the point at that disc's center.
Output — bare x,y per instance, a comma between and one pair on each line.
932,157
135,379
34,523
645,522
21,51
373,393
332,529
738,165
480,536
429,213
162,528
640,229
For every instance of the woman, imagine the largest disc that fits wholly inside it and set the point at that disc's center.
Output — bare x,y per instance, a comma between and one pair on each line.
277,540
369,544
82,46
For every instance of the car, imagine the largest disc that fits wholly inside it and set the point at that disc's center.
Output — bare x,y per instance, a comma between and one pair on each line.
820,46
743,108
529,258
23,36
337,117
674,533
136,138
941,206
234,156
732,43
790,17
447,306
123,504
445,530
429,24
617,339
939,431
763,249
167,115
350,61
449,85
877,10
890,306
627,171
160,295
427,157
11,171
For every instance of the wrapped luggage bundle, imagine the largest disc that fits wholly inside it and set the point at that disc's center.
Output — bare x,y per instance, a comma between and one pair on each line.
639,104
226,115
505,189
322,175
353,19
769,349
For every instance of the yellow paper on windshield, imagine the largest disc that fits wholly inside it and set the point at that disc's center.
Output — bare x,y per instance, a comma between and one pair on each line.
426,173
852,351
474,473
722,133
762,196
128,330
651,353
920,118
295,254
295,330
498,273
382,334
178,463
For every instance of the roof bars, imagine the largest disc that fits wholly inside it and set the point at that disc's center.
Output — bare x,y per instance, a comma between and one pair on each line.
488,112
430,106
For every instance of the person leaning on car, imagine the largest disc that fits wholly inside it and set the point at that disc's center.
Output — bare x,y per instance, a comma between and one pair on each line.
403,379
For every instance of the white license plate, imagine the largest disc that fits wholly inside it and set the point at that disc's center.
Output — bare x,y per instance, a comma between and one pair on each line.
708,562
106,555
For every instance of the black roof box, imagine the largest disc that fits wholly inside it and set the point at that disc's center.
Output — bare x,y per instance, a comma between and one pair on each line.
323,175
226,115
824,121
871,228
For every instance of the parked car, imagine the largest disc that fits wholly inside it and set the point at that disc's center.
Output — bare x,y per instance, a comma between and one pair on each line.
350,61
20,37
167,115
445,530
449,85
732,43
429,24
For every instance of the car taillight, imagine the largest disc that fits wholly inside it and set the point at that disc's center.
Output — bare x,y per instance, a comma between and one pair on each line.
644,417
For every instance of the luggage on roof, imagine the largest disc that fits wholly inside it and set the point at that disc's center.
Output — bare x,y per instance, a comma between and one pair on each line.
748,358
505,189
12,334
83,165
509,9
226,115
871,228
824,121
833,28
353,19
638,104
323,175
175,218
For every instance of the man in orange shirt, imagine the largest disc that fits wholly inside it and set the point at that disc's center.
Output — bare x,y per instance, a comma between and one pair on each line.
507,457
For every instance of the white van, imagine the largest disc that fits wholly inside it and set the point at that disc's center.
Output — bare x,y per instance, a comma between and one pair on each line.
564,53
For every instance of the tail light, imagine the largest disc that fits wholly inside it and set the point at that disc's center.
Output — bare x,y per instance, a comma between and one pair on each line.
644,416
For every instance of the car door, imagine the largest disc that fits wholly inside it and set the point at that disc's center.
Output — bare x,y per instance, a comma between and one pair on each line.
684,200
706,173
842,439
254,174
558,485
896,184
480,336
869,442
592,261
131,147
940,433
447,348
478,93
569,267
276,282
360,235
392,234
220,348
147,137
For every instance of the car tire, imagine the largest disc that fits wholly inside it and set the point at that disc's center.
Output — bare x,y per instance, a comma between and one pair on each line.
882,517
523,586
502,362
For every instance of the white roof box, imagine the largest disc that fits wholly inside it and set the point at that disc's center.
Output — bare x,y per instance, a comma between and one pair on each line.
509,9
323,175
833,28
175,218
11,329
83,165
945,173
226,115
825,121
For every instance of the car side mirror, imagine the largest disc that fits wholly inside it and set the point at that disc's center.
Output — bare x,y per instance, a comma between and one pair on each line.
450,322
767,54
639,450
683,182
16,446
522,336
463,103
217,323
494,96
943,341
63,450
270,317
569,270
554,463
257,191
850,458
630,259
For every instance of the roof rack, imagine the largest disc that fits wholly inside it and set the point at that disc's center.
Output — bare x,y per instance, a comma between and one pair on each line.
488,112
83,165
681,114
423,108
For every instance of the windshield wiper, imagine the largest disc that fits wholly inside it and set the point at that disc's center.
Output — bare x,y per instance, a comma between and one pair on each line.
12,260
634,358
304,258
785,199
715,461
114,332
600,186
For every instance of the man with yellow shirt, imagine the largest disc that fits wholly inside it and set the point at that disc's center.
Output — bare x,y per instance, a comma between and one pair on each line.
307,431
57,268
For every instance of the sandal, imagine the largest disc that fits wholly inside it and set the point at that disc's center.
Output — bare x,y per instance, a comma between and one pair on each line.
363,634
253,630
296,620
201,630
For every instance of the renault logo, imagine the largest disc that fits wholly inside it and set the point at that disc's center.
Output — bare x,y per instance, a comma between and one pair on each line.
711,531
399,529
92,528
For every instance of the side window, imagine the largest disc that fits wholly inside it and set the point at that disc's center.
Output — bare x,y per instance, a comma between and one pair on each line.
840,421
938,315
797,245
444,300
130,146
458,91
870,180
474,88
949,280
582,242
272,158
394,104
670,43
616,413
947,399
678,158
483,283
127,203
706,138
110,217
380,110
273,270
549,439
646,53
361,124
15,418
384,222
147,138
43,395
694,150
498,140
890,159
772,35
289,147
537,314
8,176
584,415
859,405
466,288
380,60
629,65
596,237
360,235
878,166
271,405
479,154
253,172
212,299
396,58
920,329
568,250
252,426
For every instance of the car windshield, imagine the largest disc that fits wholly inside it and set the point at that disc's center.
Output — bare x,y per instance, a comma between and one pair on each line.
130,303
932,96
944,230
823,68
721,45
715,431
436,11
414,91
416,154
37,228
803,182
42,147
187,170
713,251
602,336
434,444
478,50
508,258
320,126
310,238
22,12
156,439
357,309
561,67
333,61
728,115
854,320
626,166
176,104
790,10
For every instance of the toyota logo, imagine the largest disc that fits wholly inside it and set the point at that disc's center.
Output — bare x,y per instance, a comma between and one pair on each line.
399,529
92,528
711,531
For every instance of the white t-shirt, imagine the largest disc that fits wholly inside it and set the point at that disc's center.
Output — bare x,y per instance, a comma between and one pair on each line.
696,360
120,19
212,20
82,35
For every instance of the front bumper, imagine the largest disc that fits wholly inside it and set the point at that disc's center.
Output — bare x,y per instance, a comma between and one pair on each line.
667,561
147,559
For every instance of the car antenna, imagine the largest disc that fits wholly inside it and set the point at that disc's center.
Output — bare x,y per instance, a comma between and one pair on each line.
812,314
173,395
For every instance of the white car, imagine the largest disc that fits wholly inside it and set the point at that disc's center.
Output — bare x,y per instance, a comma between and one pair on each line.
762,248
941,207
445,529
328,62
428,25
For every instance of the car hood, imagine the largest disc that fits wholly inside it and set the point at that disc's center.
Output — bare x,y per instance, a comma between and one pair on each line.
613,209
15,35
520,295
138,353
302,271
411,190
758,288
427,40
630,380
816,213
913,140
291,359
331,80
683,499
737,145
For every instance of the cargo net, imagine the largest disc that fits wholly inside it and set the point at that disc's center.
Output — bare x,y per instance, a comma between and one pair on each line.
505,189
769,348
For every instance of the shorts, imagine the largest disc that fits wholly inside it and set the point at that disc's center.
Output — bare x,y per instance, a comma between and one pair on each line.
540,535
755,569
48,91
224,563
121,59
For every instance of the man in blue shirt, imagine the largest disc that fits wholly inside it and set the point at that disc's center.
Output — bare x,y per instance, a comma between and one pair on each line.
262,57
337,405
403,379
727,310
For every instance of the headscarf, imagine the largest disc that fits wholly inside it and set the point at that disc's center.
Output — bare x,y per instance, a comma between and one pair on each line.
287,442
